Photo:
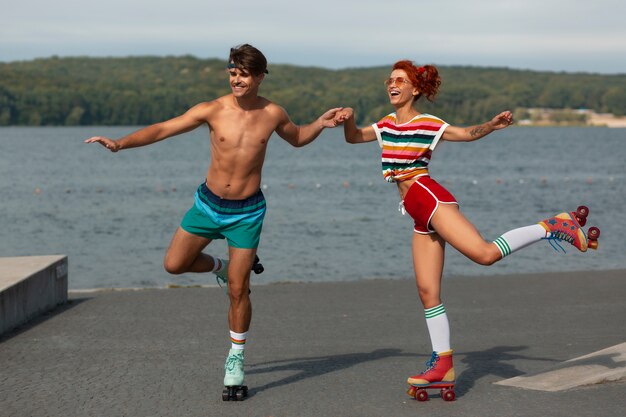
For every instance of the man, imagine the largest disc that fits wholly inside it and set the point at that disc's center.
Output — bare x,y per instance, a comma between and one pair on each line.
230,203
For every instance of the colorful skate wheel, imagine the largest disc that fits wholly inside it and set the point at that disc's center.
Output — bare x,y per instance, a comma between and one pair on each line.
582,211
594,233
581,214
448,394
411,391
421,395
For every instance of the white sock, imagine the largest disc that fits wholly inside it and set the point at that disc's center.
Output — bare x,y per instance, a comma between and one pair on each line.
438,328
516,239
218,264
238,340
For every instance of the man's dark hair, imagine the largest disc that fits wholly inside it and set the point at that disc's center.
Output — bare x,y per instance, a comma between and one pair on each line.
248,58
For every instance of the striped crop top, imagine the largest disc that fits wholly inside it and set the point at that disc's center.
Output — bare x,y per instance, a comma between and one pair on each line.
407,147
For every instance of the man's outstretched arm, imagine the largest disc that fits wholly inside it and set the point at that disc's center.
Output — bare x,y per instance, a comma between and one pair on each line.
186,122
301,135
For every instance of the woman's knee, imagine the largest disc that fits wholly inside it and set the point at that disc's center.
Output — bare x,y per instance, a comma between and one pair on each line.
488,255
429,297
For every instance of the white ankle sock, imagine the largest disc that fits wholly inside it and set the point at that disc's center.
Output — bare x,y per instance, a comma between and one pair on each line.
238,340
218,264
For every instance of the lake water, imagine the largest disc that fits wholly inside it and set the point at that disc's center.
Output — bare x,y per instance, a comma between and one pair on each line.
331,216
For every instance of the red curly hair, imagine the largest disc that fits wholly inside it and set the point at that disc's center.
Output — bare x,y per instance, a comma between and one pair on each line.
425,78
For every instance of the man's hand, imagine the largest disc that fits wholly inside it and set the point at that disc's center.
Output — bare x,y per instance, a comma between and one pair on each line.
502,120
110,144
328,119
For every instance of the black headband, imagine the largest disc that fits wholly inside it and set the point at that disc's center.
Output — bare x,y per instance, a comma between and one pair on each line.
231,65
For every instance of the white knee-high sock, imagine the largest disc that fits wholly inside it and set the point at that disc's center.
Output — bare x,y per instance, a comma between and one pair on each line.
519,238
438,328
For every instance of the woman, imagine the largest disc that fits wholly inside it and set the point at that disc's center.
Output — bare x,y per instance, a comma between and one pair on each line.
408,138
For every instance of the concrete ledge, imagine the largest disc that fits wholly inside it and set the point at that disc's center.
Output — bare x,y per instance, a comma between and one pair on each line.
605,365
30,286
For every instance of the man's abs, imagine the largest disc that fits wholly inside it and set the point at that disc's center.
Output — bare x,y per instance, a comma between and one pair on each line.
233,186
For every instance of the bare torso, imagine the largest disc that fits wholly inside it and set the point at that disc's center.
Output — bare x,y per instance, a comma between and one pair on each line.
239,140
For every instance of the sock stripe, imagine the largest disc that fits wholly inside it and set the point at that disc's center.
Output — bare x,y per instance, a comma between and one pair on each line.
238,340
503,246
434,311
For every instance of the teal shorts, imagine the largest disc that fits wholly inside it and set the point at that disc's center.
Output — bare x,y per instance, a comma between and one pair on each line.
238,221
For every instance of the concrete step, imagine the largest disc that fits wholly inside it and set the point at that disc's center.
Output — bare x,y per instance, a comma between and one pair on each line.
30,286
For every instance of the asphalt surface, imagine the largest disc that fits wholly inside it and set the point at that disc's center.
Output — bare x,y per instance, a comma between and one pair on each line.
328,349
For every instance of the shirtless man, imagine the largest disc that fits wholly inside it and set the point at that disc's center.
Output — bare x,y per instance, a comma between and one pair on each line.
230,203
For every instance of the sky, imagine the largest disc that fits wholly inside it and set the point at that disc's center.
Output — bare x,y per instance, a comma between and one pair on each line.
543,35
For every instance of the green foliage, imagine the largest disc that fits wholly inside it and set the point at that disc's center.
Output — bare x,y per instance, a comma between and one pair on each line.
143,90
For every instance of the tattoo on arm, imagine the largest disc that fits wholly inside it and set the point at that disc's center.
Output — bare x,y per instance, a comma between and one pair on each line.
478,131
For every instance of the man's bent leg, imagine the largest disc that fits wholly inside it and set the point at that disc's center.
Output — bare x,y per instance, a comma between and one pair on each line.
185,254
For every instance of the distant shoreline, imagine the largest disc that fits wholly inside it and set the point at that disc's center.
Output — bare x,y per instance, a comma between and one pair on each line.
568,117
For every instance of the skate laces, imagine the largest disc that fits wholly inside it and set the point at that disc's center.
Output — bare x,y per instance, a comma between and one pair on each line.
554,240
560,235
432,362
231,362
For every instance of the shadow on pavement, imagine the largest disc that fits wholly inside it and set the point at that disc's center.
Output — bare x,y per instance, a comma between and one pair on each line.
316,366
60,309
490,362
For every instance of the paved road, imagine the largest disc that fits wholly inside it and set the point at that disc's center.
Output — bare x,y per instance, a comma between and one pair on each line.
329,349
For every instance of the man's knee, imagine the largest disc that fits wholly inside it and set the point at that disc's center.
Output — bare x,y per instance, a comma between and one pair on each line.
238,293
173,266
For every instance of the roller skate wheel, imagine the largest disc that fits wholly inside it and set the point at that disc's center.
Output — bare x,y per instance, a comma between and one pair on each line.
257,266
448,394
582,211
235,393
593,233
421,395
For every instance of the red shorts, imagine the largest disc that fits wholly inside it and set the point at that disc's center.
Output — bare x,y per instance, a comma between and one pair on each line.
423,199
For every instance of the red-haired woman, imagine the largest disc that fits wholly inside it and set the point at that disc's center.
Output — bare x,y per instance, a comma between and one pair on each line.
408,138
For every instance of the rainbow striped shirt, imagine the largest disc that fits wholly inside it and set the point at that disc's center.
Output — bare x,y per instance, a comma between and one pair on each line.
407,147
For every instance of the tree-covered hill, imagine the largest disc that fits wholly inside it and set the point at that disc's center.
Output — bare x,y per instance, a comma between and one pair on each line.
143,90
